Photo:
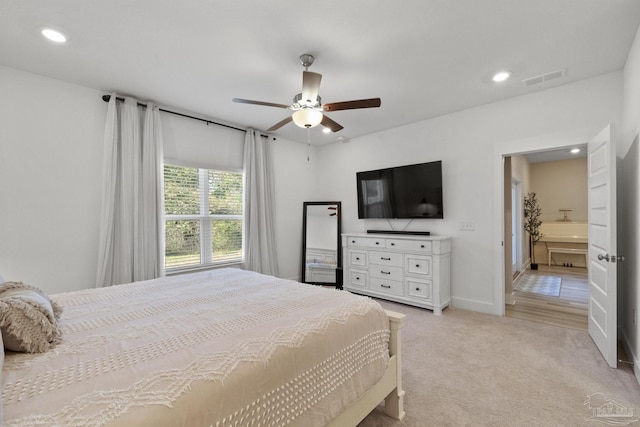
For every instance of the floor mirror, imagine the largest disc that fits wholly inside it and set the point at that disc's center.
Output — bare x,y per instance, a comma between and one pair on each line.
321,248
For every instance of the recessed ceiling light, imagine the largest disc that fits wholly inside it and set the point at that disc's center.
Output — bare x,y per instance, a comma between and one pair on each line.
501,76
575,151
53,35
326,130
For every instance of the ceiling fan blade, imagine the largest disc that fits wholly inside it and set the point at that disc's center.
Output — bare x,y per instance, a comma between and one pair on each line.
328,123
310,86
267,104
351,105
280,124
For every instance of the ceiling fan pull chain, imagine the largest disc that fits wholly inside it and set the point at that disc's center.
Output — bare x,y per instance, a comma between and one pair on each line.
308,143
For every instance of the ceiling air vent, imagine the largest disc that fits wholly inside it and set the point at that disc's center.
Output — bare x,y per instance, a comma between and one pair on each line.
543,78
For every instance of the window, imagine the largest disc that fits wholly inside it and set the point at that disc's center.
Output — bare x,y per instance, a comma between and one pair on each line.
203,217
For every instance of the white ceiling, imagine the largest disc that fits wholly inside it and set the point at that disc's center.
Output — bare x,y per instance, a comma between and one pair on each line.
423,58
554,155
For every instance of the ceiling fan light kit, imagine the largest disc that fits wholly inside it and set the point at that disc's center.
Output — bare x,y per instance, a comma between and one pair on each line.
307,106
307,117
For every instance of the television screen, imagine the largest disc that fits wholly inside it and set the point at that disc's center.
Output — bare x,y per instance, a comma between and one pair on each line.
412,191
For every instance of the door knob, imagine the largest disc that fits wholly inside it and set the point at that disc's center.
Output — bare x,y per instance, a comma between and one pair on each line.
612,258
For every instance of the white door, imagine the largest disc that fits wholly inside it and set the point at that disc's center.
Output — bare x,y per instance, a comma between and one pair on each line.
602,244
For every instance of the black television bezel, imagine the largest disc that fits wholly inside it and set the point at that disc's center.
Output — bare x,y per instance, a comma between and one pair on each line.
360,195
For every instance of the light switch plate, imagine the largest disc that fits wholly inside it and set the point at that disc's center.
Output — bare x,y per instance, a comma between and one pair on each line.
467,226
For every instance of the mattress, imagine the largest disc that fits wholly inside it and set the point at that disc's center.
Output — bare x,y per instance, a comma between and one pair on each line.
220,348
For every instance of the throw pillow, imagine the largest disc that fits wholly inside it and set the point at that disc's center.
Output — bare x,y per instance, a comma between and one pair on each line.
28,318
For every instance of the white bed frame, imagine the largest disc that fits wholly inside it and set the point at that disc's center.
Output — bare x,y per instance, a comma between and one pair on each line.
389,388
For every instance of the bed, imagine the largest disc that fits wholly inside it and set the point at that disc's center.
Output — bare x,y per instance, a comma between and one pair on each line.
219,348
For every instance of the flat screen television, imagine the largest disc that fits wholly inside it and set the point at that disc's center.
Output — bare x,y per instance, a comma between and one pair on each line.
411,191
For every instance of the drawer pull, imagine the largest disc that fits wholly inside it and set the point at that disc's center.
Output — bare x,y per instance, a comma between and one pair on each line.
357,258
422,246
353,241
377,243
393,244
357,278
417,265
417,289
385,272
386,286
385,259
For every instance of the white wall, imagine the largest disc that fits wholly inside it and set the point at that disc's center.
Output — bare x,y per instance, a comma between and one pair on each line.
295,184
467,143
629,209
51,138
50,181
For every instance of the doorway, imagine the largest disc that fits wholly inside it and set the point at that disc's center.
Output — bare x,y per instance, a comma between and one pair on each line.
602,236
557,292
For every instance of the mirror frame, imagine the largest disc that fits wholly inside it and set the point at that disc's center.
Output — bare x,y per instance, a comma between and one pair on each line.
338,282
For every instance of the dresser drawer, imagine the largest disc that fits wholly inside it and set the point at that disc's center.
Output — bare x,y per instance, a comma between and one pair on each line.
358,258
386,258
419,288
409,245
385,272
418,264
358,278
365,242
391,287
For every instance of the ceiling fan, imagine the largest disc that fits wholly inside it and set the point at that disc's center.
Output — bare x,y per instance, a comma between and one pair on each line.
308,110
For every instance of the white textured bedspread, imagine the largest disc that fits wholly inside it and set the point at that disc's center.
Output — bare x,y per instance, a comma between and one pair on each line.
219,348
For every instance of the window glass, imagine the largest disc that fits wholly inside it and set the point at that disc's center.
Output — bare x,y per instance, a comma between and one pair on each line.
181,191
203,217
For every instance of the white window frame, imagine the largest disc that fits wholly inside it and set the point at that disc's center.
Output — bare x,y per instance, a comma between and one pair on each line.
205,219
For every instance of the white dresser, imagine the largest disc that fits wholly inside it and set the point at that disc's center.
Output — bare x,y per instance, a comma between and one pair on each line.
410,269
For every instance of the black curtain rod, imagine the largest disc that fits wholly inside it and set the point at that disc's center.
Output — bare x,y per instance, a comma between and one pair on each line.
106,98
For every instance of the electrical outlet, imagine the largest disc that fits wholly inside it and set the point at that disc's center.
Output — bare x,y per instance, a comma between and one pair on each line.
467,226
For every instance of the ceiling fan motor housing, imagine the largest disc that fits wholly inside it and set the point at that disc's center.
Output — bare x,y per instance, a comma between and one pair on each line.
299,103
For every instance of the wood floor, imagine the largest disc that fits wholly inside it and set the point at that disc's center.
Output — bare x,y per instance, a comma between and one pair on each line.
569,310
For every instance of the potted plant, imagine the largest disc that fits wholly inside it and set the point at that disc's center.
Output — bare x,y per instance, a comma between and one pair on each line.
532,224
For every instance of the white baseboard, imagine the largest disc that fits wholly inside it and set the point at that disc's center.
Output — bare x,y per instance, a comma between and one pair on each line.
473,305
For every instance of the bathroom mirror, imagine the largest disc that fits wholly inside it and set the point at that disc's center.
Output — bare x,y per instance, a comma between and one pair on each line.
321,248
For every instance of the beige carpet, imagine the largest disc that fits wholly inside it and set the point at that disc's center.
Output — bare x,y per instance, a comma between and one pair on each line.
538,284
470,369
